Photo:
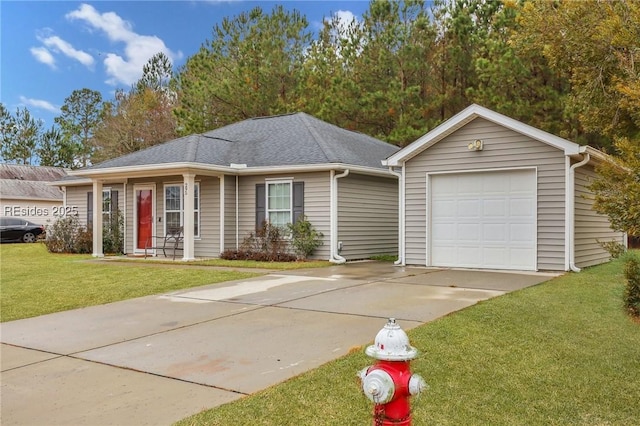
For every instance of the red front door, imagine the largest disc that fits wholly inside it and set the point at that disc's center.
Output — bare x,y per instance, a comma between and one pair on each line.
144,221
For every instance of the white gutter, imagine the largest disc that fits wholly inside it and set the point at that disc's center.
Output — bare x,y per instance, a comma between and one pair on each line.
571,211
222,215
237,217
401,221
334,257
151,170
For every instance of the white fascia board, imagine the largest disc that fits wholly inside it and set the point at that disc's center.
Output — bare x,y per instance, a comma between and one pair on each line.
467,115
178,168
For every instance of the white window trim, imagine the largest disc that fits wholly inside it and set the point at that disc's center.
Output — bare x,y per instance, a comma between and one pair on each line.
180,185
108,213
269,182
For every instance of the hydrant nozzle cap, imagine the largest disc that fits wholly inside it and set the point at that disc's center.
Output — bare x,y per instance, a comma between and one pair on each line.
392,344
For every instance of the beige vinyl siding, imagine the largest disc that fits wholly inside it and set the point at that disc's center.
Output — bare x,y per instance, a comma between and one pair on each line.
589,225
503,149
316,204
76,196
208,243
230,213
367,216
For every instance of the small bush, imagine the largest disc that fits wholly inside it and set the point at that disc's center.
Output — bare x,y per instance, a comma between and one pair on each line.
304,237
257,256
267,239
67,235
113,235
614,248
266,244
632,289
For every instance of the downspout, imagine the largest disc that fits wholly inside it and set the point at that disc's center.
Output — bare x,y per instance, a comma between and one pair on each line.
237,219
334,257
400,261
572,212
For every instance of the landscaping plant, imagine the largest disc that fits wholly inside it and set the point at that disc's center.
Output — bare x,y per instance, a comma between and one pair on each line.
632,289
305,239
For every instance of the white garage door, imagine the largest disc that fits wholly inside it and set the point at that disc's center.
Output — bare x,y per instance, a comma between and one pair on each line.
484,220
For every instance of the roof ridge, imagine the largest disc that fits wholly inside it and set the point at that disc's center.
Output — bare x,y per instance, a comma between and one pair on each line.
319,140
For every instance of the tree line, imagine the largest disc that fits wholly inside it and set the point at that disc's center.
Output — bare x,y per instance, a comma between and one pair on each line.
567,67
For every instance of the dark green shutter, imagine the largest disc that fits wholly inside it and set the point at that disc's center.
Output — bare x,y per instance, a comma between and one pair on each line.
114,208
298,201
261,199
89,209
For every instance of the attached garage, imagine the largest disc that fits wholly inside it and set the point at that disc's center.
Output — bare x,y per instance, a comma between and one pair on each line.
483,219
484,191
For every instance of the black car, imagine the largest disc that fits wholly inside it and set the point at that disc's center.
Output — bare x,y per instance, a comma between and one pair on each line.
16,229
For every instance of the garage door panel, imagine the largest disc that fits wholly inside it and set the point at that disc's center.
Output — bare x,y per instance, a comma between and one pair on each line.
484,220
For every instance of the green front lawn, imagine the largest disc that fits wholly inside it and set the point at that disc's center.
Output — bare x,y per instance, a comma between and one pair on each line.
34,282
560,353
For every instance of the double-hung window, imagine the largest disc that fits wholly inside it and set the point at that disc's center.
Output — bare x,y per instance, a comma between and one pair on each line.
174,207
279,203
106,206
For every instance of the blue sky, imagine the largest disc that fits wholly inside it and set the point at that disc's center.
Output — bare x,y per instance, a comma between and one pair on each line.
48,49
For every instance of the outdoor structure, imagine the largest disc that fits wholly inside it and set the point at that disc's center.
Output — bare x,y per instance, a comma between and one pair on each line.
485,191
221,184
26,192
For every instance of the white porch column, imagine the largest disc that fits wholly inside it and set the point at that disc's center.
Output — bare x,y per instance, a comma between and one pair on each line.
97,219
189,192
222,207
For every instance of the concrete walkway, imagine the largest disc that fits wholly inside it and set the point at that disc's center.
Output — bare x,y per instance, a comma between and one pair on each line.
157,359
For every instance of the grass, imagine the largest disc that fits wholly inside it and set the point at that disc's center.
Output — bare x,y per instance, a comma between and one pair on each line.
34,282
559,353
244,263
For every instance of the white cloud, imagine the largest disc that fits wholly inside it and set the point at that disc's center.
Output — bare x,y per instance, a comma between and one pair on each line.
57,44
39,104
43,55
345,18
138,49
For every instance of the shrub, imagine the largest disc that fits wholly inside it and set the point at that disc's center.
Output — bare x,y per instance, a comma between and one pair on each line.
304,237
632,289
113,235
266,239
266,244
65,235
614,248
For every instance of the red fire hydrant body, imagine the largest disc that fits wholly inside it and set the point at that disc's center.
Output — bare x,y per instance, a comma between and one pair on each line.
389,383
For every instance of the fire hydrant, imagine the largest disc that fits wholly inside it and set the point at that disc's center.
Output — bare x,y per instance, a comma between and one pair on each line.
389,382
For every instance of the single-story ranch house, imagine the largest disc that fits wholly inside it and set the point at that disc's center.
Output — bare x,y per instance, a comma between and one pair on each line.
485,191
219,185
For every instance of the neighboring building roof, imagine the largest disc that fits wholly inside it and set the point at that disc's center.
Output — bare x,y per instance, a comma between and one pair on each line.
30,182
466,116
284,140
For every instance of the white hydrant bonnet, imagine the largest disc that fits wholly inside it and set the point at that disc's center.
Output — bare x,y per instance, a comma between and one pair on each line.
392,344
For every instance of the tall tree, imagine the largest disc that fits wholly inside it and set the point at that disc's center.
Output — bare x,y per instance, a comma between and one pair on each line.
79,117
54,150
20,135
595,43
249,68
157,74
133,121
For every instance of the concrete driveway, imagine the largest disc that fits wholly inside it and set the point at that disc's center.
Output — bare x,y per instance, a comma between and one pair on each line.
157,359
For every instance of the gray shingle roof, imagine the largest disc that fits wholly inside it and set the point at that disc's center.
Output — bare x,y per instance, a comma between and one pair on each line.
30,182
283,140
